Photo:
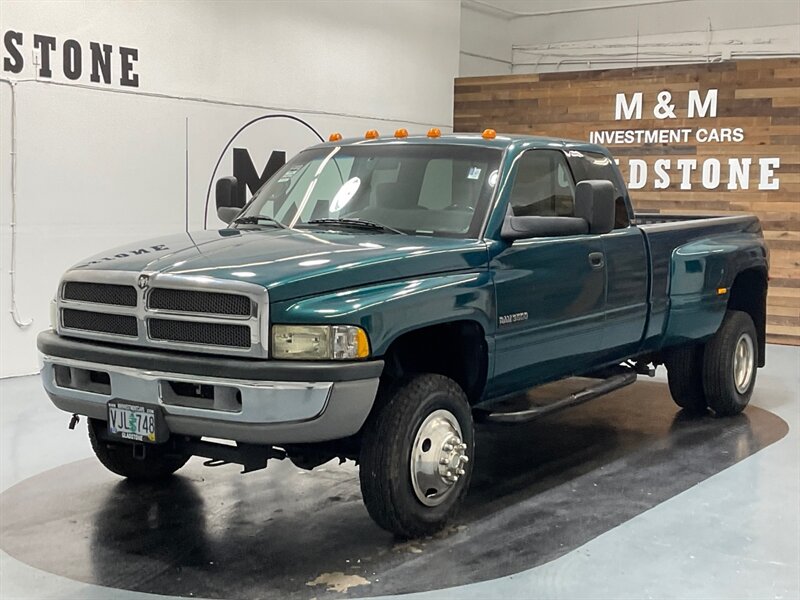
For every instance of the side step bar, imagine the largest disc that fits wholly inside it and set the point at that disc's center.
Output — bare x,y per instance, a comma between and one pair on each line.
605,386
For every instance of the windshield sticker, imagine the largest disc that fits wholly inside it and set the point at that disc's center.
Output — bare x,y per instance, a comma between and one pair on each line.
345,194
474,173
493,177
290,173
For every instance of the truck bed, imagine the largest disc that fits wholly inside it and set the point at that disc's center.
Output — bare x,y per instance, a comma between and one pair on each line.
665,237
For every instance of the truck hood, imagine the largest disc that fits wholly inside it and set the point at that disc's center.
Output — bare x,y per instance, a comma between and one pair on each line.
294,263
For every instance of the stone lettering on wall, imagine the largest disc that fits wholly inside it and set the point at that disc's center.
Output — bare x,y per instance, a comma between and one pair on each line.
93,62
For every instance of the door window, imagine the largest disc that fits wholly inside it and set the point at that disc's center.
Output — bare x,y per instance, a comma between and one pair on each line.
543,186
593,165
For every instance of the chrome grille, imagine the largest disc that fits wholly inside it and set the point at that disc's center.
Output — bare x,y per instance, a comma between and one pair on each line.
199,314
100,293
99,322
212,334
213,303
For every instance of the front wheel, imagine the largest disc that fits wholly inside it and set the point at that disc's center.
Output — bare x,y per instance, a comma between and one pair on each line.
729,364
158,462
415,456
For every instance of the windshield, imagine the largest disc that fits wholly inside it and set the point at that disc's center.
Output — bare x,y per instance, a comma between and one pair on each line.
431,189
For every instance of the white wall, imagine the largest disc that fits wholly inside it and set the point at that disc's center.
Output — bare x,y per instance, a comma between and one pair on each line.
99,165
485,42
576,35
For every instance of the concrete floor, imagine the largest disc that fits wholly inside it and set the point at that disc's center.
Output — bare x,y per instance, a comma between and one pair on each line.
719,518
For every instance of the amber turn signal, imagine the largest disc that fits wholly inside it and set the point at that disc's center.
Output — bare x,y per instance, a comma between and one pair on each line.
362,343
401,133
489,134
335,137
434,132
371,134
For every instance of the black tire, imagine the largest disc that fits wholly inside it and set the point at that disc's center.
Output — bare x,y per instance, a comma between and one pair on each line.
386,455
685,377
158,463
719,378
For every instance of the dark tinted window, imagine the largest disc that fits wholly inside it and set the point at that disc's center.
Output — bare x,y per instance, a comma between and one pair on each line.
593,165
543,185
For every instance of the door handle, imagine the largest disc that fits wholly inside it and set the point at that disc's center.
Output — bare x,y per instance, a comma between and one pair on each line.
597,260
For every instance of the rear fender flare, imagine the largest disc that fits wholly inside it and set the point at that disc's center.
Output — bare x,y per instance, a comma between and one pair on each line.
701,275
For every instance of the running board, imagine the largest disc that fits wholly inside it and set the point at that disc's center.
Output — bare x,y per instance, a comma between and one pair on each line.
614,382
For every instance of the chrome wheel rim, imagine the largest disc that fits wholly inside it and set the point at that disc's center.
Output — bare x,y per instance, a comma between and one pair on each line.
438,458
743,363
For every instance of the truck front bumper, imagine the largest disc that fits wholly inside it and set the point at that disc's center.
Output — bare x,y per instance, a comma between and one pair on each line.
246,400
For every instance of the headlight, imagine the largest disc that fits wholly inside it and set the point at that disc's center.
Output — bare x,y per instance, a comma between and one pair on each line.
319,342
53,315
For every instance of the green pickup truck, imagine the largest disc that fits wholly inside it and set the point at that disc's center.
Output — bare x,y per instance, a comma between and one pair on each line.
378,296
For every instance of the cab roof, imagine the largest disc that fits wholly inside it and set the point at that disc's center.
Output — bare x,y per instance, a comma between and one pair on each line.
501,141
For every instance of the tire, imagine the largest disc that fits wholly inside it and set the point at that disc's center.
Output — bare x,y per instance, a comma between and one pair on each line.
159,462
685,377
418,420
730,364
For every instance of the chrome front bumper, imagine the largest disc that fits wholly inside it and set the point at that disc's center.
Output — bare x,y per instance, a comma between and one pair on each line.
252,411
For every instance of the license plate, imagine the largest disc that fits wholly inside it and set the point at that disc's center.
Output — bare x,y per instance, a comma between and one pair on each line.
136,422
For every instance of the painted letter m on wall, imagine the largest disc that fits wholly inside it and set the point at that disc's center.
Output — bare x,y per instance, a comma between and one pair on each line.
246,174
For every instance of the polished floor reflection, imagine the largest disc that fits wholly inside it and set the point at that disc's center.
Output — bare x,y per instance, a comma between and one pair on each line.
540,490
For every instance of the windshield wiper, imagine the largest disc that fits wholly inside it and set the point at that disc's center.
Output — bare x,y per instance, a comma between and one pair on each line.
356,223
256,219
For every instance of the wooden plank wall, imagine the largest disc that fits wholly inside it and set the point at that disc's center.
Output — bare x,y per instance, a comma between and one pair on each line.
760,97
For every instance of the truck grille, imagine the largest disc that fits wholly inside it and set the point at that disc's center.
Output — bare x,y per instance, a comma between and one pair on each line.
165,311
100,293
211,334
192,301
99,322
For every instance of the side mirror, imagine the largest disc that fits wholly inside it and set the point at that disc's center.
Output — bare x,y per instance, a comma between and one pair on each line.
521,228
228,213
227,202
595,201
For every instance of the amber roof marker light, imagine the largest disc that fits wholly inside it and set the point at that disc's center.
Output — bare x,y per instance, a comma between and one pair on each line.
489,134
335,137
434,132
372,134
401,133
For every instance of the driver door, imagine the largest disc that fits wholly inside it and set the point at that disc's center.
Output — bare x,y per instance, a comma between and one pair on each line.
550,291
